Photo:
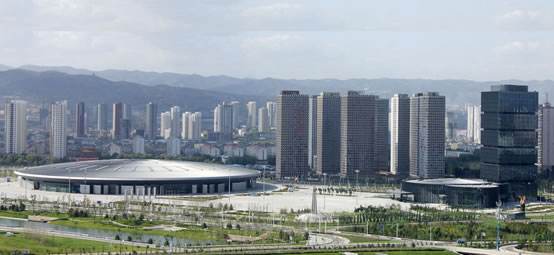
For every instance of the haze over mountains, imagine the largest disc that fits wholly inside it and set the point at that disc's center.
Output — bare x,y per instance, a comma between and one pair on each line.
188,86
51,86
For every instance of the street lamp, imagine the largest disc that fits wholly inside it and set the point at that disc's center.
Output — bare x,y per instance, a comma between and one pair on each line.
324,175
498,216
357,171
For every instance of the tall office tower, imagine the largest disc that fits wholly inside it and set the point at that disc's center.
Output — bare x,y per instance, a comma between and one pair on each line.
126,129
175,121
236,114
186,126
509,139
545,137
271,112
151,121
80,123
165,125
400,135
223,121
263,120
127,112
117,117
252,114
312,131
357,135
127,122
427,138
381,140
292,135
58,135
328,133
473,123
43,116
101,117
15,122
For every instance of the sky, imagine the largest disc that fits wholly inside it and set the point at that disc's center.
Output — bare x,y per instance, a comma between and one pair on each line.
433,39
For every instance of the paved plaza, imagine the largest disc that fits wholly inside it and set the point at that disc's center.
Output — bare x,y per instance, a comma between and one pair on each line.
300,198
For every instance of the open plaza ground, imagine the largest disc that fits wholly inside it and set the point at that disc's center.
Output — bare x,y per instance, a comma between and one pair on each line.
276,199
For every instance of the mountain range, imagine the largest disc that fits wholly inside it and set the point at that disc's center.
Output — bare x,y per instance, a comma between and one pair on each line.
49,86
457,92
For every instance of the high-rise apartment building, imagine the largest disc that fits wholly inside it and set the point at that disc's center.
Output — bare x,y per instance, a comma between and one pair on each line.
271,112
185,130
175,121
328,133
173,146
292,135
195,123
400,135
509,139
15,122
165,125
427,135
450,125
117,117
263,120
236,113
545,137
473,124
192,125
223,121
151,121
357,153
381,140
58,135
80,121
252,109
101,117
138,144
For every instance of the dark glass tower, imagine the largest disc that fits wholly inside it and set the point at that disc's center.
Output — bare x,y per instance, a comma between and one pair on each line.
509,123
80,123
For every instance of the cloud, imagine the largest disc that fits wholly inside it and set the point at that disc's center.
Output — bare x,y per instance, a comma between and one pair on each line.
525,20
276,10
519,46
273,42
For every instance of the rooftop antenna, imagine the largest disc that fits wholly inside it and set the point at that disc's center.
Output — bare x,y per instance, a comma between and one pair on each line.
546,97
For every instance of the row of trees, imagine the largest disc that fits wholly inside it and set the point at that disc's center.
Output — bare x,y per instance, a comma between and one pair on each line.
394,214
335,190
26,160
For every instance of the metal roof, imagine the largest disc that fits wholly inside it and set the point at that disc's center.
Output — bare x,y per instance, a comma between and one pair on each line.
455,182
136,170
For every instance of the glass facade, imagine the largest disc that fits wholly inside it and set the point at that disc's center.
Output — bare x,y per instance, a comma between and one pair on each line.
509,124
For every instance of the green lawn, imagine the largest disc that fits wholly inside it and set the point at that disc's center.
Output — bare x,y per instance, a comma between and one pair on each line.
25,214
191,232
41,244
